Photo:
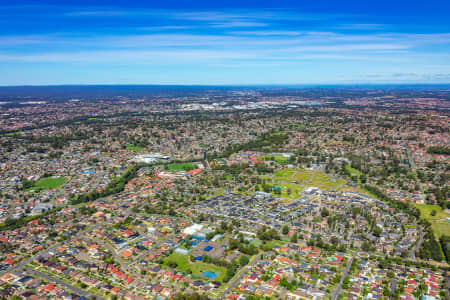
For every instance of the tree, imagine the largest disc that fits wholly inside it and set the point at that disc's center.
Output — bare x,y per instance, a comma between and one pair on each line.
294,238
377,231
285,229
366,246
243,260
223,226
334,240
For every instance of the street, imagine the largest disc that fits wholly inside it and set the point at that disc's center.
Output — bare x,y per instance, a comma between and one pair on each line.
338,289
65,285
239,278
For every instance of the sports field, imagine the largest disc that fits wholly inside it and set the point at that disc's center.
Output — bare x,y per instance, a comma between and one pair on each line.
48,183
181,167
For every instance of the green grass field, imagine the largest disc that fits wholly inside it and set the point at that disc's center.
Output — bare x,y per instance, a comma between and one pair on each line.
279,158
197,267
353,171
294,174
307,177
357,190
296,191
48,183
438,222
299,179
426,209
273,243
326,182
133,148
256,242
12,133
303,175
181,167
284,173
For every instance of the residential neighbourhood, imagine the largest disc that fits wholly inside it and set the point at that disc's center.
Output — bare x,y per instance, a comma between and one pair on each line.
253,196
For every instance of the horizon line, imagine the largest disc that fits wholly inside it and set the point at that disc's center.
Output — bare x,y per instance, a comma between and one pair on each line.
227,85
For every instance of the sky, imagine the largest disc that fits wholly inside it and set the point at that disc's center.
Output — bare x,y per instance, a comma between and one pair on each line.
224,42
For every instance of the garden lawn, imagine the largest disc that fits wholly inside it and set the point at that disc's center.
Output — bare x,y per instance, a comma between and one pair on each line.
48,183
196,267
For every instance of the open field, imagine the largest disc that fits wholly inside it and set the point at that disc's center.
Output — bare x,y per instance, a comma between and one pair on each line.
48,183
441,227
356,190
304,175
183,264
279,158
181,167
439,222
273,243
353,171
290,191
256,242
12,133
326,182
425,212
133,148
284,173
298,179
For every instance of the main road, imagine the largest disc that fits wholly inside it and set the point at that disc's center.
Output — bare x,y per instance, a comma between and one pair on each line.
239,278
412,254
338,289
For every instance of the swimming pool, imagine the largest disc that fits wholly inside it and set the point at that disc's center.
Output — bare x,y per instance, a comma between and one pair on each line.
210,275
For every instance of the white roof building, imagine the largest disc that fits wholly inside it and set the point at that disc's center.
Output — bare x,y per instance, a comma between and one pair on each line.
193,229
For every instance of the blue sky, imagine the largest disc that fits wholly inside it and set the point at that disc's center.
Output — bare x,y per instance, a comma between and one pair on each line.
224,42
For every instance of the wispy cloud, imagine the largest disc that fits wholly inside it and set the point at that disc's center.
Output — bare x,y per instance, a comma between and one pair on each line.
361,26
267,33
237,24
257,39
